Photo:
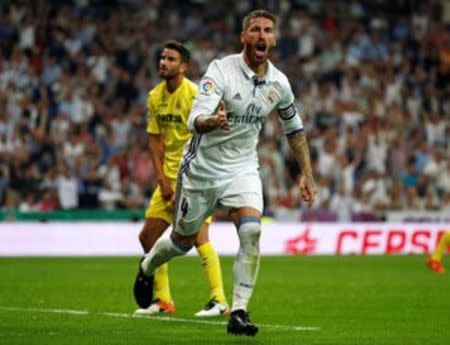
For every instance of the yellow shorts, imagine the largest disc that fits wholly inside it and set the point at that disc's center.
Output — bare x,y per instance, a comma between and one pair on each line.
160,208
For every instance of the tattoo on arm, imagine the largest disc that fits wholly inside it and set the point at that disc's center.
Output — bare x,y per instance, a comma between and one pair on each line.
205,123
299,147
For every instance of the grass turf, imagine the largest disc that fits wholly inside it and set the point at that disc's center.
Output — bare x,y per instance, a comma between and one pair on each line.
354,300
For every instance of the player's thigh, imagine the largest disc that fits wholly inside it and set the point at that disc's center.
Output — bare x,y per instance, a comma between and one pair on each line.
192,208
159,207
243,192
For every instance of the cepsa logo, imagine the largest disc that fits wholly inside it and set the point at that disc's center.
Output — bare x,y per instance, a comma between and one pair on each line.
387,241
336,240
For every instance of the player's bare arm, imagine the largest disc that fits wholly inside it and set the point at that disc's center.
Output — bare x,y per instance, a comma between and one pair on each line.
299,147
156,146
208,123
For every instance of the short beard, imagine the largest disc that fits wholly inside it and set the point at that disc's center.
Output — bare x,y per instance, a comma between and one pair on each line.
167,76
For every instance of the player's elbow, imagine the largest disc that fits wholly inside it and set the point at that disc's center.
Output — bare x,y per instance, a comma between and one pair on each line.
191,124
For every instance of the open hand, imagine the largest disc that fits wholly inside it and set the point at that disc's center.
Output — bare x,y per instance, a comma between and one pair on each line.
170,204
308,190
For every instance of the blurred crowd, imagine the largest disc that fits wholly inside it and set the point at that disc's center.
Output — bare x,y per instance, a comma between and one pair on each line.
372,79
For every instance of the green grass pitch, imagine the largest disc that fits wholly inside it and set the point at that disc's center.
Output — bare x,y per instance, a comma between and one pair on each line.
347,300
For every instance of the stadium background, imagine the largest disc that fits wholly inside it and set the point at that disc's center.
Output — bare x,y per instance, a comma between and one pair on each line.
373,78
75,171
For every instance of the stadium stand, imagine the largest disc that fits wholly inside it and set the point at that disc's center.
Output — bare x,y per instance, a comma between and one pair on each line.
373,79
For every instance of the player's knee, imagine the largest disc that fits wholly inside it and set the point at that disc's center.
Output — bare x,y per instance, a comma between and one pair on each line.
202,236
249,235
185,243
143,239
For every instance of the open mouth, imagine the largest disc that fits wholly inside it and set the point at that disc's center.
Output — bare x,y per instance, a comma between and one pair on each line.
260,49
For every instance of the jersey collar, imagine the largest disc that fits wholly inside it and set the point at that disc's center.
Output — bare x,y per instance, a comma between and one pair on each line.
250,74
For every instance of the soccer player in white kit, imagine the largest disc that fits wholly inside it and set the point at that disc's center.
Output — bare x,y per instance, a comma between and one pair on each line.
220,164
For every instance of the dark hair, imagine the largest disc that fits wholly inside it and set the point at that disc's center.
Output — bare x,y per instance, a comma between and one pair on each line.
180,48
258,14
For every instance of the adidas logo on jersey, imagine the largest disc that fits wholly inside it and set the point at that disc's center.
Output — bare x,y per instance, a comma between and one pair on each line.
237,96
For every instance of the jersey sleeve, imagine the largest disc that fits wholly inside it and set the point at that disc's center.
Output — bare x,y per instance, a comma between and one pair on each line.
210,92
152,121
288,113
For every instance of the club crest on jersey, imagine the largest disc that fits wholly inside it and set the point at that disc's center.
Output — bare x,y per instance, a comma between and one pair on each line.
206,86
272,97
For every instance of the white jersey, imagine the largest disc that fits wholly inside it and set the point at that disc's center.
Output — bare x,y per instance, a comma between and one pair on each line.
215,157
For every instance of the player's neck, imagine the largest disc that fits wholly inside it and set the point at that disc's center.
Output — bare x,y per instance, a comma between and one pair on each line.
173,83
260,69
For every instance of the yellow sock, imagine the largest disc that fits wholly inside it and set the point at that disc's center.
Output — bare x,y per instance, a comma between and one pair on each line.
442,247
161,284
211,267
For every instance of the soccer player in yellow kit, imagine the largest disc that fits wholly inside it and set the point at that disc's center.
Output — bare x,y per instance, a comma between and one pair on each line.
434,261
169,104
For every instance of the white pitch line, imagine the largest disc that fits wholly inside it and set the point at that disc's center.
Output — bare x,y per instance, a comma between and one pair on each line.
153,317
211,322
41,310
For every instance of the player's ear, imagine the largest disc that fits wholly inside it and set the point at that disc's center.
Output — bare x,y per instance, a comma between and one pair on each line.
183,67
242,37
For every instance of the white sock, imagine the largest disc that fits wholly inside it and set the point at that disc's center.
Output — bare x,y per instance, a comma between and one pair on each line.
246,265
163,250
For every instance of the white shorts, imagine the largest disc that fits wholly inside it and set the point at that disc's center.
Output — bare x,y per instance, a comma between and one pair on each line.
194,206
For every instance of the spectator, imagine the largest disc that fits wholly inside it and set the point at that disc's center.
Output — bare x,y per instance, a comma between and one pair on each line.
67,188
342,204
28,203
48,201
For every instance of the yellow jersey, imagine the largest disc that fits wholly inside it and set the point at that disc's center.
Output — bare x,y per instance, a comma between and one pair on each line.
167,116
